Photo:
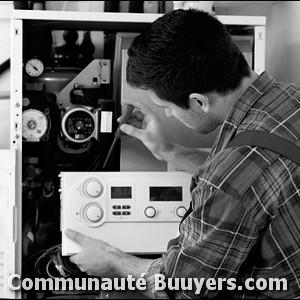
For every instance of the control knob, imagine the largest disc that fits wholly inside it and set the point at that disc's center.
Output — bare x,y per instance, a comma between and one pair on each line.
93,188
94,213
180,211
150,212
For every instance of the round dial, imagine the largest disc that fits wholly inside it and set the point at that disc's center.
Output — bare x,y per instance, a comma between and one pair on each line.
34,67
150,212
93,188
180,211
94,214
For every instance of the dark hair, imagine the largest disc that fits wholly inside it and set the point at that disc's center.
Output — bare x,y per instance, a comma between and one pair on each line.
182,52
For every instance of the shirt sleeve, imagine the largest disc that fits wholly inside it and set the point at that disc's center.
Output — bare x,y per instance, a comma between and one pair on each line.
214,241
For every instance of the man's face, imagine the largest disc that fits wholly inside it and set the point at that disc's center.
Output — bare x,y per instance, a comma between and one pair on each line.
194,119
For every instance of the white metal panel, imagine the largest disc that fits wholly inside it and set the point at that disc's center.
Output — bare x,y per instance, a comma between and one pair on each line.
85,16
136,233
243,20
6,10
8,252
5,123
259,48
122,17
16,132
16,84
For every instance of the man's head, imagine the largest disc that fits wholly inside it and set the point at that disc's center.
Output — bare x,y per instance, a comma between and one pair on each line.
185,53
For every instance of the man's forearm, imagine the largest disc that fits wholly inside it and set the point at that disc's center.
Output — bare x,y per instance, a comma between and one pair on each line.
187,159
100,259
124,264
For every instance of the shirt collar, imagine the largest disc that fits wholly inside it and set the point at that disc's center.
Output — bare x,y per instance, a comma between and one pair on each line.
240,108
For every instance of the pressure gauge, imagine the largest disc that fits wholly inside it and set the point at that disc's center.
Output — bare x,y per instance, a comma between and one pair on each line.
34,67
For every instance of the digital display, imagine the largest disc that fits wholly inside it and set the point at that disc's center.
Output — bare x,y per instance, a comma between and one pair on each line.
166,193
121,192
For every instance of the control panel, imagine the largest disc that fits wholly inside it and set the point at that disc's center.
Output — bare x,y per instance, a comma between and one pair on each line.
138,212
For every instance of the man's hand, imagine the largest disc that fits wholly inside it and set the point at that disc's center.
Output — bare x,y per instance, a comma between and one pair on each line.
145,126
99,259
96,258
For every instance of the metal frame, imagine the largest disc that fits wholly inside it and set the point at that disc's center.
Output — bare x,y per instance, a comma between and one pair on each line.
259,48
126,21
16,136
107,17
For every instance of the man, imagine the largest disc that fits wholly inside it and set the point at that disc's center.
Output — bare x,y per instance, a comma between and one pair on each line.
245,219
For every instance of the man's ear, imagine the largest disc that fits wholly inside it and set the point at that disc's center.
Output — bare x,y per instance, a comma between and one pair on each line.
199,101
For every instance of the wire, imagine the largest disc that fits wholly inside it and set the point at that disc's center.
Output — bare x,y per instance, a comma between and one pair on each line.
62,265
102,148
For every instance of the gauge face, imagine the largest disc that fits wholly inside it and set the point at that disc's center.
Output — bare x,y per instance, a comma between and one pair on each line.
34,67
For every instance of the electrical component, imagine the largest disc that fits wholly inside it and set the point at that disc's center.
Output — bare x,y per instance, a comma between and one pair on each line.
34,125
79,124
125,209
118,133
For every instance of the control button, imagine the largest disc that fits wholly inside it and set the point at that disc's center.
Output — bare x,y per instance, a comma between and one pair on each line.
180,211
116,213
93,188
126,213
150,212
126,207
116,207
93,213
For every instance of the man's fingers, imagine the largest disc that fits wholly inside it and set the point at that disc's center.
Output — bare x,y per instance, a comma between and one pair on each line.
72,259
138,115
135,115
139,105
135,123
76,236
132,131
146,110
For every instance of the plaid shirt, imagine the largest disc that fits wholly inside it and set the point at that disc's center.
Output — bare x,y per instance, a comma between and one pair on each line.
246,204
